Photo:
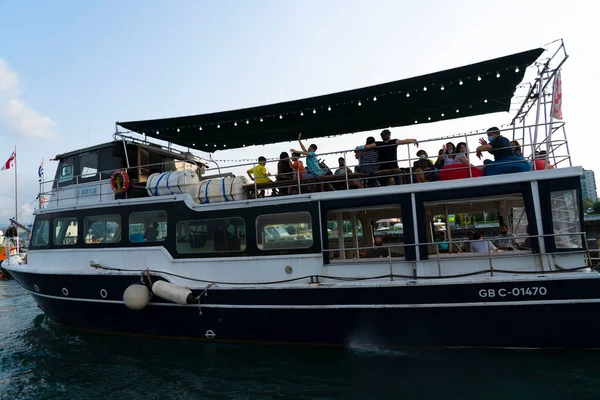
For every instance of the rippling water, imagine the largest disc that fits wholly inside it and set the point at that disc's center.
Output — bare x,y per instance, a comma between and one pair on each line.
41,360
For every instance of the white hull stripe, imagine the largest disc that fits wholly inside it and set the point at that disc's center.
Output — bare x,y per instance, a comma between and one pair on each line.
340,306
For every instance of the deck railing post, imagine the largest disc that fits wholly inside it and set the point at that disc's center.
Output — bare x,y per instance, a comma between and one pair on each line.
390,261
490,258
346,172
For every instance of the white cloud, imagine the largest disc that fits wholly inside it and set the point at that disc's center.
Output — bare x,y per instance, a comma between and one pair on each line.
25,120
19,117
9,80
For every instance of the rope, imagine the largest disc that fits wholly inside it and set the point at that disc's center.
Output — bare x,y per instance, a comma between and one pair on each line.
336,278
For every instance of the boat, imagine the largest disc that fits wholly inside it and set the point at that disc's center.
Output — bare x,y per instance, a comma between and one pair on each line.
141,236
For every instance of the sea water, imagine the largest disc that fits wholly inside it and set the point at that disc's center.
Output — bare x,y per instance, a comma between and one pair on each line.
42,360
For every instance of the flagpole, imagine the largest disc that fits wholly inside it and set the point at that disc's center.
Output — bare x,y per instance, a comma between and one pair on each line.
16,193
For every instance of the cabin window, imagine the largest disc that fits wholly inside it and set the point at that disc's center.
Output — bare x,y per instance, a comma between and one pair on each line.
371,232
89,165
217,235
66,173
452,224
284,231
565,219
148,226
41,233
102,229
65,231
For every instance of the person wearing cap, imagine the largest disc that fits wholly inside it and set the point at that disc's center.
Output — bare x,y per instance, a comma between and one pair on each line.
423,168
505,160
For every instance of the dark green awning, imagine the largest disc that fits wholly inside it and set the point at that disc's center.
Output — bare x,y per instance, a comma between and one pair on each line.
475,89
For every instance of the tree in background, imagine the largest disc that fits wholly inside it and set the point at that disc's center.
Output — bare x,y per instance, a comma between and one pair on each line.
596,207
588,203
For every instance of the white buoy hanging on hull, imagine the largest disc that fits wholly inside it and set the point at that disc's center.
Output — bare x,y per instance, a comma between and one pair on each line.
176,294
136,296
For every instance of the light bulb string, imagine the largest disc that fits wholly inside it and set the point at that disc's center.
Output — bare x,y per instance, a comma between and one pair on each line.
360,102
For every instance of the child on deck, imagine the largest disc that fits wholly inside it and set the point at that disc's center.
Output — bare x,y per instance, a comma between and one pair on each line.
260,173
314,170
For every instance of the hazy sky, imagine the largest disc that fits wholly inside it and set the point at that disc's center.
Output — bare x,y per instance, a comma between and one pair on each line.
70,69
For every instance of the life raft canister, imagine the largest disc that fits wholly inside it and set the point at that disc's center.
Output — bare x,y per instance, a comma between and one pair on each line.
119,181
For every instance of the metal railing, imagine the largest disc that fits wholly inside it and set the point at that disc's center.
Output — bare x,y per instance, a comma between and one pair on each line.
441,256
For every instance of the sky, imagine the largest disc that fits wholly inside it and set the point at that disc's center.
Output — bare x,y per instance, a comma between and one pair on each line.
70,69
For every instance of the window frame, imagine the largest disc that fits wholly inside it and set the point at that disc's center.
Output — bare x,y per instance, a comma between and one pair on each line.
257,224
37,223
205,221
105,218
54,226
157,220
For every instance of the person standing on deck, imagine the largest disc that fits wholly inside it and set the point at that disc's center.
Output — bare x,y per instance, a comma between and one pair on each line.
312,163
388,153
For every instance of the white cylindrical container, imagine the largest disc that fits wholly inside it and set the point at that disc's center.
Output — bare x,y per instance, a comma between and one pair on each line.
176,294
173,182
221,190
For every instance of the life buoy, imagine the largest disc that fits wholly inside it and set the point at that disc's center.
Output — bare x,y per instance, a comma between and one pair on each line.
119,181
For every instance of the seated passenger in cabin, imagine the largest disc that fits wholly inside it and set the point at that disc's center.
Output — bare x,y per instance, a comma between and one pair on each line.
460,167
467,245
152,232
388,153
507,240
443,245
312,163
479,245
505,160
516,148
424,168
378,251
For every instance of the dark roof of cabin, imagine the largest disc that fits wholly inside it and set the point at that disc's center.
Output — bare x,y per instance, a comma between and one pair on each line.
475,89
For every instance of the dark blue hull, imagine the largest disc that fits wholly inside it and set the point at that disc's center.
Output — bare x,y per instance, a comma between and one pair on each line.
499,314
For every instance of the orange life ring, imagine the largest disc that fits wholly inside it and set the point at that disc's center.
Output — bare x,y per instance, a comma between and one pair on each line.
119,181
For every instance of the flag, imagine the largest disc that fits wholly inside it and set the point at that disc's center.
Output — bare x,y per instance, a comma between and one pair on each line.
557,98
10,162
41,172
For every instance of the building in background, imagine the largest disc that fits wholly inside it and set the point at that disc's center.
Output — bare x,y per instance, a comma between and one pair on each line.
588,185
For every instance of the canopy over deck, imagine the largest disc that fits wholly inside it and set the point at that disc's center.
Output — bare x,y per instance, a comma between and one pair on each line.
475,89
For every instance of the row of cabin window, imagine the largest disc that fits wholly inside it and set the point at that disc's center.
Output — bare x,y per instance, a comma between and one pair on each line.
273,231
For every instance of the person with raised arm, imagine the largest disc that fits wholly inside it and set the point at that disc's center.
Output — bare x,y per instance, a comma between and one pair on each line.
505,160
312,163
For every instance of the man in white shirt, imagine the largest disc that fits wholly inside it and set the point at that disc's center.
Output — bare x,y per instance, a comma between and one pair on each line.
481,246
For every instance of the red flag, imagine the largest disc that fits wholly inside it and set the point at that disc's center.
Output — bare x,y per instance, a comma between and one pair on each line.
557,101
10,162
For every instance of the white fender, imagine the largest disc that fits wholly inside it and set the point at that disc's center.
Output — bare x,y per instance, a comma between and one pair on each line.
136,296
176,294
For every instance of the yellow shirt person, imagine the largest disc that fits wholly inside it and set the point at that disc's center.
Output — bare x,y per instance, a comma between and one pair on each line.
260,171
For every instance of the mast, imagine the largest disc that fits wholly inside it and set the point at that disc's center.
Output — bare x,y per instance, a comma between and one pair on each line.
16,194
